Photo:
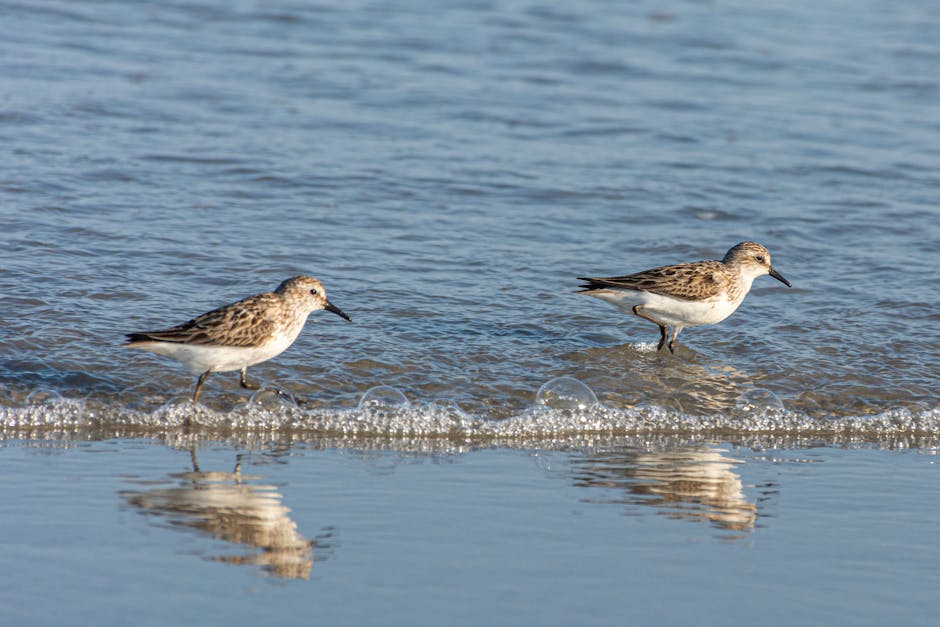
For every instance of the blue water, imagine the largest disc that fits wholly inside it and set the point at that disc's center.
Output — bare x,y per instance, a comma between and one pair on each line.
448,170
662,532
448,184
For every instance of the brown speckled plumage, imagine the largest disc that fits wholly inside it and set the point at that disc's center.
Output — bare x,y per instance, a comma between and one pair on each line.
686,294
699,280
248,322
241,334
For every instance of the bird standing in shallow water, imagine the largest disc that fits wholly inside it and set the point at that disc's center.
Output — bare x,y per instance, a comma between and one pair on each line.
242,334
686,294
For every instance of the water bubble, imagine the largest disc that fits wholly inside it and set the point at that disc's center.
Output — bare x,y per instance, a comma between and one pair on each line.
452,413
383,397
272,399
565,393
42,396
447,407
760,401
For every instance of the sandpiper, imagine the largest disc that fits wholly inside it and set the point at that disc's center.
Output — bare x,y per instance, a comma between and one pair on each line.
686,294
242,334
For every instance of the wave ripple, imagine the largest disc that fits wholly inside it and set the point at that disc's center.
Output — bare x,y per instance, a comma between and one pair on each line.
447,420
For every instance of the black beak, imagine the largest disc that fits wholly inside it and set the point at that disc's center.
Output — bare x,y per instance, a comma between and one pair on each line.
339,312
779,277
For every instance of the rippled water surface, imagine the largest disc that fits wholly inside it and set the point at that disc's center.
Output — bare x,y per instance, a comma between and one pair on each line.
448,170
448,184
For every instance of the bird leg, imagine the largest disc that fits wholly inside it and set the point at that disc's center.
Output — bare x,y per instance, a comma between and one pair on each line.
244,381
195,460
202,379
672,342
638,310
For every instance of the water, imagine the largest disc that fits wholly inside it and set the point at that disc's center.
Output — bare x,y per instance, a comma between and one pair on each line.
447,170
657,530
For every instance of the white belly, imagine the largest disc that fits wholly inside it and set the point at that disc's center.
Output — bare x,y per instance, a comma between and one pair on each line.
200,358
668,310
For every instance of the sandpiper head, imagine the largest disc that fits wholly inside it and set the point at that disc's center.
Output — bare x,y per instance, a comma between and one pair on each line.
754,261
309,292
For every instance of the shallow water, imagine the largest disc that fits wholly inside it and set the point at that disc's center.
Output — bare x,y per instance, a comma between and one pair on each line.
448,184
656,530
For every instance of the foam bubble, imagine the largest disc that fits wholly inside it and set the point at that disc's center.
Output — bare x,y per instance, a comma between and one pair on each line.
383,397
271,399
759,401
43,396
449,412
553,422
566,393
447,407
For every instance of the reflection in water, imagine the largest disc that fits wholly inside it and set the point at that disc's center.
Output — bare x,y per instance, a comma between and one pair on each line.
693,385
690,483
221,505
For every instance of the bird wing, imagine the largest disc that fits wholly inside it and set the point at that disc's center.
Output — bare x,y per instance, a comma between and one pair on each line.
688,281
245,323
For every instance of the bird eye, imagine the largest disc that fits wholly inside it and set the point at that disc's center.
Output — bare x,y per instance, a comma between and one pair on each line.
759,258
314,292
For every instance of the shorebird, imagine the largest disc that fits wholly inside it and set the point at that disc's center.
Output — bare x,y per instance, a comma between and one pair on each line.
241,334
686,294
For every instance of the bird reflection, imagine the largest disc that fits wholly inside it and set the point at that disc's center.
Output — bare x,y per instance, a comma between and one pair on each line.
693,385
222,505
690,483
